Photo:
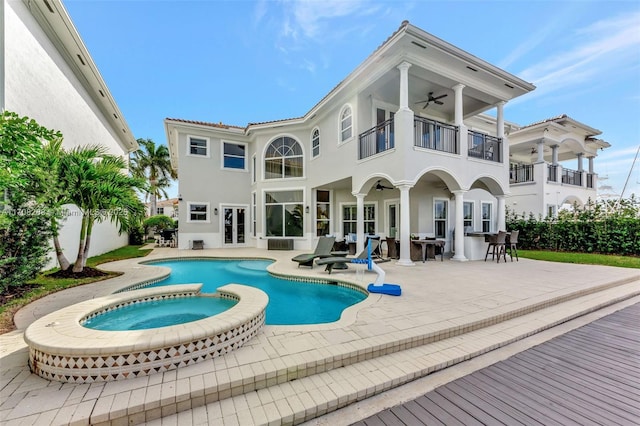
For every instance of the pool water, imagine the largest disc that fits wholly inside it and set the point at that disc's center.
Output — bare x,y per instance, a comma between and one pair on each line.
159,313
290,302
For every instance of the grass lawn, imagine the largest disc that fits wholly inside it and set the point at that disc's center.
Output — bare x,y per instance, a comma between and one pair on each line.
43,284
582,258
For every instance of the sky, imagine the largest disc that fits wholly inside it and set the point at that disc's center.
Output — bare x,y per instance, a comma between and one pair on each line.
239,62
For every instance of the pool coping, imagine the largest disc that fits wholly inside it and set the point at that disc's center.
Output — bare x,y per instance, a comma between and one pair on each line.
61,349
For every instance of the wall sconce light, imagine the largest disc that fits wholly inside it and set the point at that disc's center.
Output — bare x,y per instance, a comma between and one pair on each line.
306,209
180,197
215,211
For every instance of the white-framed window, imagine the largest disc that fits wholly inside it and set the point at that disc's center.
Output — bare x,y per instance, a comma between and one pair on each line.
284,213
323,212
159,210
283,159
467,214
552,210
440,213
198,212
487,216
350,219
315,142
198,146
346,124
253,168
234,155
254,213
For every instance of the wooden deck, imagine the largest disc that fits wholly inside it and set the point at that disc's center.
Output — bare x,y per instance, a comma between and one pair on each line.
589,376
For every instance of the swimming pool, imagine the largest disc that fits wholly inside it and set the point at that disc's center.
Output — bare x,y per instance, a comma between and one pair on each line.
290,302
159,313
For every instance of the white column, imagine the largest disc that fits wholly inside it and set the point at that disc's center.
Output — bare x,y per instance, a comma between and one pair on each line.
405,226
404,85
458,120
501,213
590,164
360,222
500,119
540,149
459,226
459,113
554,155
579,155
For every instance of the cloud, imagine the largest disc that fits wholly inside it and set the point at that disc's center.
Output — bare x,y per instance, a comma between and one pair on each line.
609,45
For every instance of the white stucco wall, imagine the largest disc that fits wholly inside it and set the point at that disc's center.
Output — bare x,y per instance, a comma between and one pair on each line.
40,84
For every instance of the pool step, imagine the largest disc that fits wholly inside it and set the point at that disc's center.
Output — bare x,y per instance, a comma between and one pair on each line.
296,392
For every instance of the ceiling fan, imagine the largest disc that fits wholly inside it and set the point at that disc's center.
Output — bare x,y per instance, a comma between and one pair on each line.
435,100
380,187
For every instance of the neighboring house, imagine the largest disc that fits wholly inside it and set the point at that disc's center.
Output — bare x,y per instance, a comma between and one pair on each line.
401,146
48,75
547,165
165,207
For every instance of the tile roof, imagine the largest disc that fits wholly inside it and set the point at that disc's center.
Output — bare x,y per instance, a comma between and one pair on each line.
220,125
548,120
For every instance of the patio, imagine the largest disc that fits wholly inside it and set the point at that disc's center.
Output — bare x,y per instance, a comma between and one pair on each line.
448,312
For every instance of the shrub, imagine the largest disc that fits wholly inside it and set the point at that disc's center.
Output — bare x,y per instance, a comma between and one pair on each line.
603,227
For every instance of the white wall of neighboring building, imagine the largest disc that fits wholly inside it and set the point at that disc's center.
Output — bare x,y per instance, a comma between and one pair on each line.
42,82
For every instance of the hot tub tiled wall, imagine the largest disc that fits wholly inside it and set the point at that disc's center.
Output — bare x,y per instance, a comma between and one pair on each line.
61,349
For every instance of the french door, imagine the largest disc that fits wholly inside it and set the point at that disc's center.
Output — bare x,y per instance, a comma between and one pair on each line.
234,225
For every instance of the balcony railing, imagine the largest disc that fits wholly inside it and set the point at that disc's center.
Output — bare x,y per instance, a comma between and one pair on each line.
552,175
435,135
485,146
572,177
376,140
519,173
590,180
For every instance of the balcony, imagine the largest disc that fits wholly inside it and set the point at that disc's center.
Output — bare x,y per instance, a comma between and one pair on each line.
520,173
484,146
552,173
431,134
571,177
376,140
590,180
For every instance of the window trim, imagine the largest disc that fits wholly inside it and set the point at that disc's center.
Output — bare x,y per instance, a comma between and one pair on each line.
254,171
446,219
482,219
207,215
158,210
207,146
254,214
264,210
473,213
264,159
353,124
315,129
222,156
315,210
344,204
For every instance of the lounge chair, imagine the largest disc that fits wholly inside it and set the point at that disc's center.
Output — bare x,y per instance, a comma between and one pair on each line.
323,248
331,262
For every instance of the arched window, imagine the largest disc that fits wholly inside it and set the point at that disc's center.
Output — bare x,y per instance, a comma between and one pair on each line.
315,142
283,159
346,124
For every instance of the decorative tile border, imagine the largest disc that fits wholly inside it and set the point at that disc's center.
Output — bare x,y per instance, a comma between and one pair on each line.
61,349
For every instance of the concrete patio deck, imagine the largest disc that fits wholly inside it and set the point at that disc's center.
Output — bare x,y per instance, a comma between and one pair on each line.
449,312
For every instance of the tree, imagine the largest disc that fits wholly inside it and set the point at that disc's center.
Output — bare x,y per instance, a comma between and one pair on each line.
153,163
96,183
24,220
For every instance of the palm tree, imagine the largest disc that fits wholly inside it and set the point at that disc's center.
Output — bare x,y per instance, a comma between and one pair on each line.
153,163
94,181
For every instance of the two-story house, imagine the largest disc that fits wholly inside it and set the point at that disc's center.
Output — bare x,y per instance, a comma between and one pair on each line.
401,146
547,165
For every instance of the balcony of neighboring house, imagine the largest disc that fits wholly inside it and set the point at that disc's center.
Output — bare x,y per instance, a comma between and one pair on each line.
571,177
520,173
